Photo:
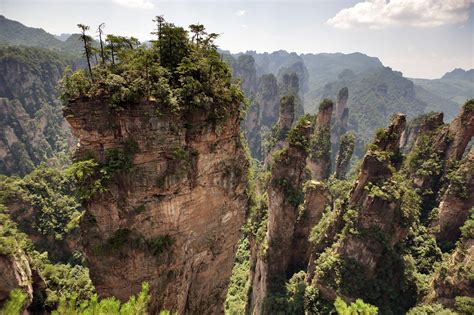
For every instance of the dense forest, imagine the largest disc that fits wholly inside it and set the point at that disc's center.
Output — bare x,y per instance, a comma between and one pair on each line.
172,177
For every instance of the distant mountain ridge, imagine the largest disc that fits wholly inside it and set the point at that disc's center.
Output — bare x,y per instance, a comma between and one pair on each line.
460,74
14,33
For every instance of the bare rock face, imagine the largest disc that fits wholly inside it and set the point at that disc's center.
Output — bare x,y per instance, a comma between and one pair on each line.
173,219
315,201
454,280
341,115
284,196
419,125
267,96
344,155
456,202
285,121
441,146
365,231
252,128
15,272
319,161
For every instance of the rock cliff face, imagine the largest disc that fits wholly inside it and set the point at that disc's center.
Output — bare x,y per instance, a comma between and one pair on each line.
344,155
339,126
284,196
174,218
456,201
437,148
33,126
370,226
15,272
319,161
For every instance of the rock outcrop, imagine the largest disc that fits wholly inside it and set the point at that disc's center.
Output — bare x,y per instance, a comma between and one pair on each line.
456,202
15,273
284,196
33,129
279,132
319,161
373,224
339,125
435,152
344,155
172,218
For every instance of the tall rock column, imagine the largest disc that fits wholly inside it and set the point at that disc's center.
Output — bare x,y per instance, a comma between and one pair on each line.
319,161
344,155
456,202
341,115
284,196
285,121
171,212
362,259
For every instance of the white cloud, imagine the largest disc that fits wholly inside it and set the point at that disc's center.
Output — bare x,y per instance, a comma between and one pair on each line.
240,12
141,4
419,13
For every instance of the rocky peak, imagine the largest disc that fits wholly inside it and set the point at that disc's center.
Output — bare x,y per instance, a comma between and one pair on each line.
319,161
344,155
456,202
284,196
171,214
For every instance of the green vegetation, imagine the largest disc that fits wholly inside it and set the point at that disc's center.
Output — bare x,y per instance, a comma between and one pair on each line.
321,144
182,75
135,305
123,239
236,297
33,123
15,303
294,195
357,307
296,137
48,194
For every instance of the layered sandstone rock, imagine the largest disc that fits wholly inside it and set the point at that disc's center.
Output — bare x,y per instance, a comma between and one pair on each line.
361,238
344,155
15,272
284,196
339,125
319,161
456,202
174,218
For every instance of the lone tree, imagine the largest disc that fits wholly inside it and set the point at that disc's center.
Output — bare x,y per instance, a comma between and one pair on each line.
159,20
199,31
101,32
87,40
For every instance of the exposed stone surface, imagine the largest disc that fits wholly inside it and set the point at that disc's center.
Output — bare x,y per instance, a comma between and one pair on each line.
456,202
285,121
344,155
362,250
319,161
315,201
456,278
186,190
15,272
419,125
284,189
341,115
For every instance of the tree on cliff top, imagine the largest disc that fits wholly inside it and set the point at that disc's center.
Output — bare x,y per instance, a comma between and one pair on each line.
87,41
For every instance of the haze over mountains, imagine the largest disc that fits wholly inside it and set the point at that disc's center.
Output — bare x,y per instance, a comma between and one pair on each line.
375,91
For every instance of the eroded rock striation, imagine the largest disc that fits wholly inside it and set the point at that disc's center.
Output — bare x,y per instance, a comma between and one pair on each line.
171,217
319,161
284,196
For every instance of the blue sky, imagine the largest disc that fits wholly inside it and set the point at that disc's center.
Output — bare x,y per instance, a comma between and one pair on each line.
421,38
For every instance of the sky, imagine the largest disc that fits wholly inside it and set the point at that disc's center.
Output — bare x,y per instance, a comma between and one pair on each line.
420,38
